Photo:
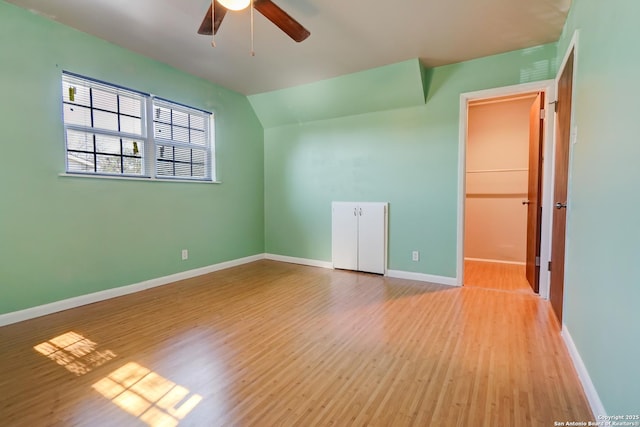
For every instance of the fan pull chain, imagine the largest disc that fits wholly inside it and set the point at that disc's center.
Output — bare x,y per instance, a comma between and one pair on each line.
253,52
213,23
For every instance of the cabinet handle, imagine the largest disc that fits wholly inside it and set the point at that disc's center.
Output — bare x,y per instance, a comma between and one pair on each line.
355,210
360,211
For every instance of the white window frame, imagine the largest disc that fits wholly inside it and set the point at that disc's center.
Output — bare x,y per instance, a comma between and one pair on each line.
149,142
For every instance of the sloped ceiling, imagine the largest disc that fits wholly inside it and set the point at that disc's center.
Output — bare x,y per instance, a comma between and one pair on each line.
346,36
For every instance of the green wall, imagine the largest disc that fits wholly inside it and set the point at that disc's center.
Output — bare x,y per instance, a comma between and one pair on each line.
379,89
602,294
406,156
62,237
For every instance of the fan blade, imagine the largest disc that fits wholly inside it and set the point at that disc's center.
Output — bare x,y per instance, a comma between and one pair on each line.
281,19
205,27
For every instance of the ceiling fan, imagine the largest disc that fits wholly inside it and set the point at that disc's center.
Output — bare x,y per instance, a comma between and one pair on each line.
270,10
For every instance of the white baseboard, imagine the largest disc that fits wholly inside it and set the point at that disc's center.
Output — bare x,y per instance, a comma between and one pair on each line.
302,261
589,389
498,261
440,280
42,310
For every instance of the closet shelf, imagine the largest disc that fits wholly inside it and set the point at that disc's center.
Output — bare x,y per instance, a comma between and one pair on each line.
498,170
506,195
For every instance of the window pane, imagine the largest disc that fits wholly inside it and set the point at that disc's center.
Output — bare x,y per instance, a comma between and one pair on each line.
164,168
80,96
197,122
198,137
81,141
107,144
130,106
104,120
183,169
108,164
132,148
199,171
180,134
180,119
104,100
162,131
162,114
80,162
76,115
132,166
164,152
182,155
130,125
199,156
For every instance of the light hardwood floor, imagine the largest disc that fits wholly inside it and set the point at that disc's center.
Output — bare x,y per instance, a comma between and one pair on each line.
499,276
274,344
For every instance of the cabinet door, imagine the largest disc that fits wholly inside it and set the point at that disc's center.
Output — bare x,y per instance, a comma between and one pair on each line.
344,235
372,242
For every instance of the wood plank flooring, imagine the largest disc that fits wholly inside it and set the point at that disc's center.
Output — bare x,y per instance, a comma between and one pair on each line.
493,275
274,344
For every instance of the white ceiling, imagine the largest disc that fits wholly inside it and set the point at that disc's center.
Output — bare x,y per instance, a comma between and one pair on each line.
346,35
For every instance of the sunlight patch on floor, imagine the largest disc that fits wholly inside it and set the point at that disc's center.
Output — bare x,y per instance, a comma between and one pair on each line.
75,352
148,396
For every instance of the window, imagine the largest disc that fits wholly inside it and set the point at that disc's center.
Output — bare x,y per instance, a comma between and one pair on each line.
115,131
181,137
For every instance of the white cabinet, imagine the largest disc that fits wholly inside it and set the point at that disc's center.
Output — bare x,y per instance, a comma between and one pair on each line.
359,236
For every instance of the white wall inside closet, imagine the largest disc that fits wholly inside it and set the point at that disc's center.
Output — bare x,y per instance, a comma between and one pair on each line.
496,179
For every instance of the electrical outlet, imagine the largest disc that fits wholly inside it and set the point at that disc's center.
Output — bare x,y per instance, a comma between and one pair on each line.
415,256
185,254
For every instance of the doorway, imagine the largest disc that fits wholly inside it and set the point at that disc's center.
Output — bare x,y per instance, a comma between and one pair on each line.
502,177
499,153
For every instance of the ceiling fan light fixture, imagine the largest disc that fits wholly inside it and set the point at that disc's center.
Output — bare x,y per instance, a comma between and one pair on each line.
234,4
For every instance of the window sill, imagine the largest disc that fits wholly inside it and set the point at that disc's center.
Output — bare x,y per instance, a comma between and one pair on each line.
135,178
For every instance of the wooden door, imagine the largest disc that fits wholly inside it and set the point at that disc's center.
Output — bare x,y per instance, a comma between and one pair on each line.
372,237
563,136
534,199
344,235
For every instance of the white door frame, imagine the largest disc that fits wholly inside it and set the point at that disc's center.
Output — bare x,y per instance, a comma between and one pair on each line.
549,87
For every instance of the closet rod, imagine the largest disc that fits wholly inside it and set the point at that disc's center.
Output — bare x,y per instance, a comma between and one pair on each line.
499,170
